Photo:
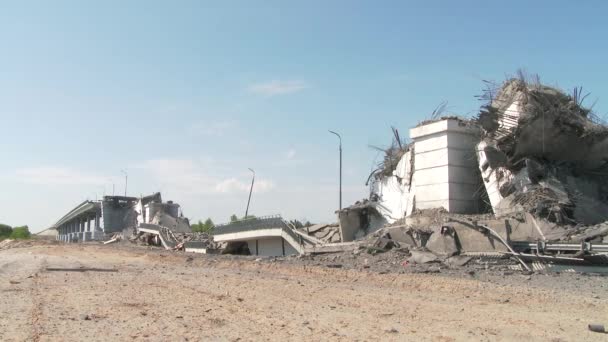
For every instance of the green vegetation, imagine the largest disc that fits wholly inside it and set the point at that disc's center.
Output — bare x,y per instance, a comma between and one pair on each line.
7,232
234,218
206,227
21,233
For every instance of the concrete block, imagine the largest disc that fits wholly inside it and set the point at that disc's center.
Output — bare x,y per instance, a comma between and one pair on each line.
446,165
437,141
442,244
472,240
448,156
448,173
400,235
422,257
449,125
445,191
350,224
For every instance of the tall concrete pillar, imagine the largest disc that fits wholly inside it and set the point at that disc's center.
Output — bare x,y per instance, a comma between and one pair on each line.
446,171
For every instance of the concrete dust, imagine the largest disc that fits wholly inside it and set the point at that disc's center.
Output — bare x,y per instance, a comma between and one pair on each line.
160,296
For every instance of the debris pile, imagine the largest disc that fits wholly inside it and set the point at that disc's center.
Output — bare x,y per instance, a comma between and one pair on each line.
326,233
527,179
544,153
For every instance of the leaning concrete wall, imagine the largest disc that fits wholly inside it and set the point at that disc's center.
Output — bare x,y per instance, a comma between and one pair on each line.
393,192
115,218
350,224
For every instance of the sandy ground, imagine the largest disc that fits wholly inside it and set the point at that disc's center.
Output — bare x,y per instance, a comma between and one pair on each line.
159,296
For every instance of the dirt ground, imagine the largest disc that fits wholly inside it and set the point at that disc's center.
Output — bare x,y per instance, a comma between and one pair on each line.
170,296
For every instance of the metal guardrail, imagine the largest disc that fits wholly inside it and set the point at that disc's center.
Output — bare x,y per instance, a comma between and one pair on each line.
258,223
250,224
542,246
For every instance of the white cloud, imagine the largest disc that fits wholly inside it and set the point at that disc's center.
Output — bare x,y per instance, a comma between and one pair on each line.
213,129
233,185
49,175
277,87
291,154
192,177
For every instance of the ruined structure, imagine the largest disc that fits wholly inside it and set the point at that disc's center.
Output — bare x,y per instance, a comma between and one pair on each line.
544,153
99,220
527,178
437,170
264,236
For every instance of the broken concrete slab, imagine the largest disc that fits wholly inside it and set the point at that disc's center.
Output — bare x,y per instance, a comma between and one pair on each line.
458,260
544,153
443,241
422,257
402,235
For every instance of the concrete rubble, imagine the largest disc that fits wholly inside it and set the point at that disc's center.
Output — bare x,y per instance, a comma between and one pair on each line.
160,224
327,233
527,179
542,152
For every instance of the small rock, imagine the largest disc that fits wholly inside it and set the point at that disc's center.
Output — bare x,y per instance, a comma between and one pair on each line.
85,317
434,269
392,331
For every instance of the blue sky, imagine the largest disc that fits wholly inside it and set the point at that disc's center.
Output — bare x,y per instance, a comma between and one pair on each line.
186,95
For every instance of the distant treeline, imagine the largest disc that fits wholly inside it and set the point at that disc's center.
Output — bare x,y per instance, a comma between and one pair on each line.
8,232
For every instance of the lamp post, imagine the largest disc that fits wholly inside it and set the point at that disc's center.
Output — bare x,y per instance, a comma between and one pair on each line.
339,137
126,180
250,191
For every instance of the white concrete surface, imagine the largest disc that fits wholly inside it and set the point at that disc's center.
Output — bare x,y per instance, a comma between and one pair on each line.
262,234
272,246
393,192
445,162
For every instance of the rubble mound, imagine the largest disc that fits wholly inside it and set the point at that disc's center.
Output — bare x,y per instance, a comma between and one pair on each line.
327,233
544,153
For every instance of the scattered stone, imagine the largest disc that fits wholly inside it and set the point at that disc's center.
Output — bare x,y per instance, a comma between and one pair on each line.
434,269
598,328
458,261
422,257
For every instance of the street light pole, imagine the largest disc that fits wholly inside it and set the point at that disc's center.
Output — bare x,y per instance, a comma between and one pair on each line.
126,180
339,137
112,181
250,191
